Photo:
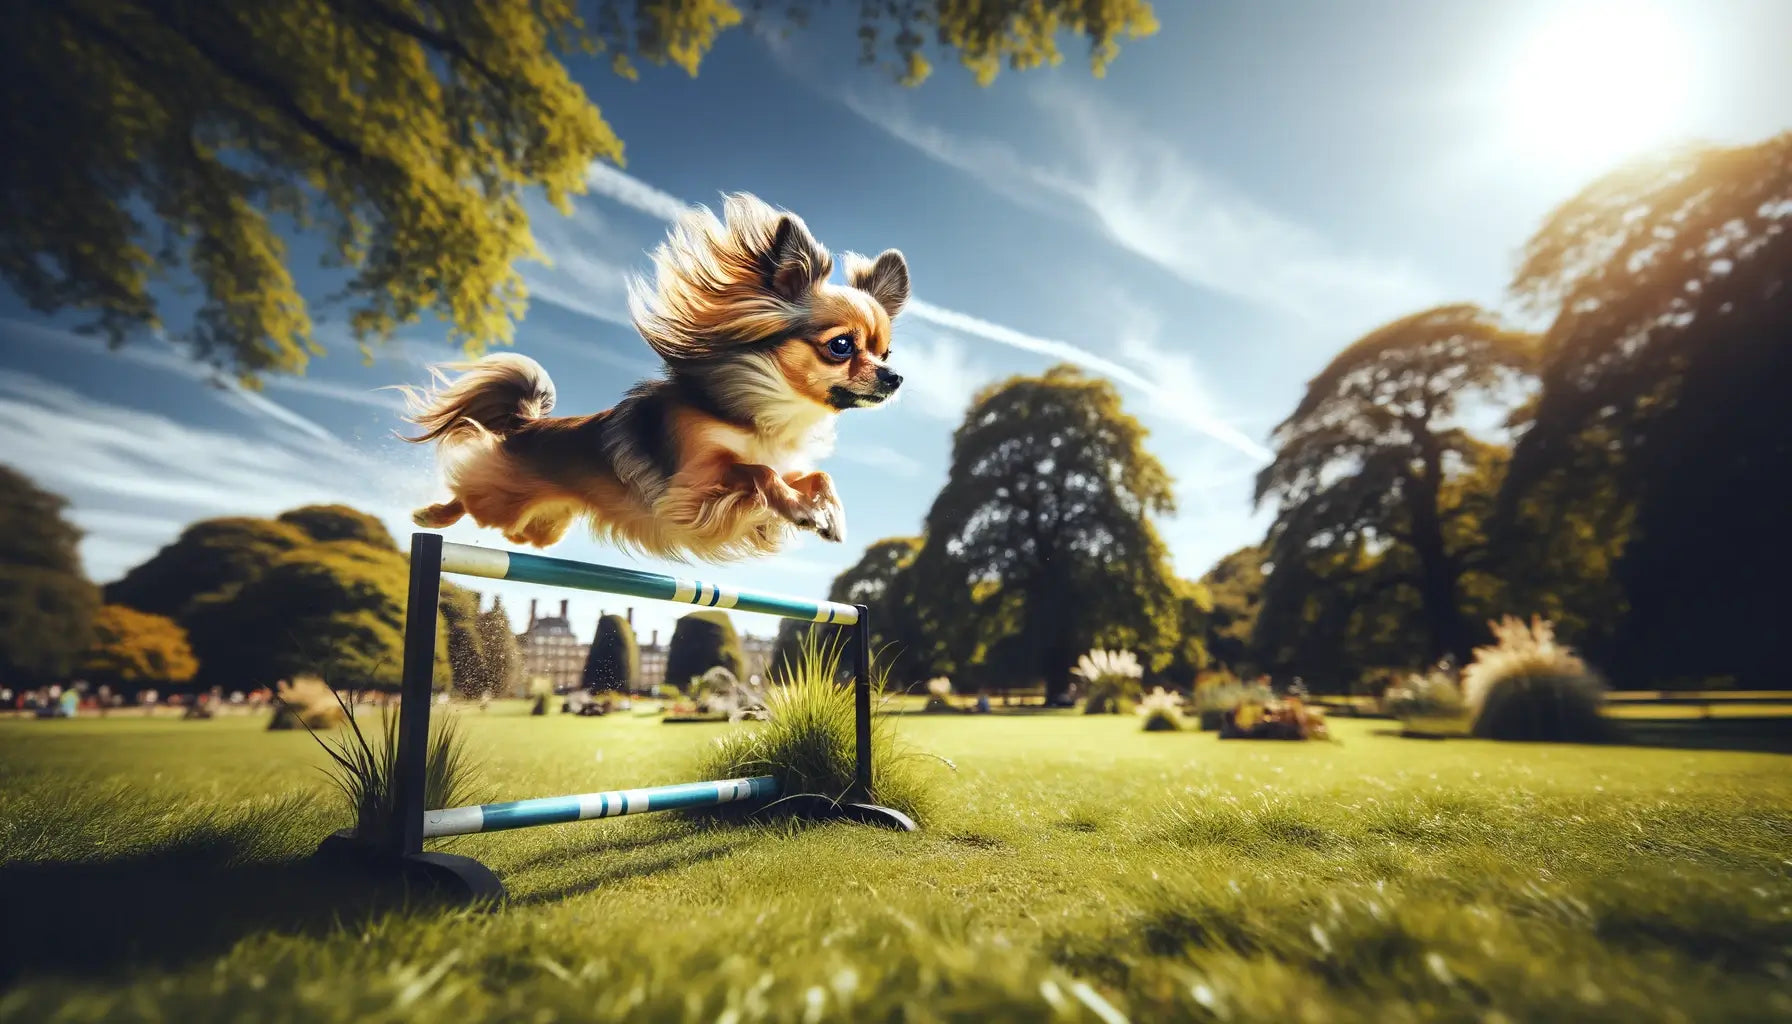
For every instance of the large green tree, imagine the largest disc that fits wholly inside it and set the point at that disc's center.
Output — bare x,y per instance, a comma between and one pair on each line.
335,609
209,556
1042,536
162,138
47,605
318,589
1368,457
1669,358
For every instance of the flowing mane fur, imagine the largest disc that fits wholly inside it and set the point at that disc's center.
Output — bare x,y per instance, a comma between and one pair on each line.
720,285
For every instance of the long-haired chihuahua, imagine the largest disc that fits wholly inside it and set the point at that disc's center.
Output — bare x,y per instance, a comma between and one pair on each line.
715,458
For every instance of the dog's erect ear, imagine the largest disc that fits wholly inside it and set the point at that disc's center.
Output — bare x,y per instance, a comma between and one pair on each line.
798,261
886,278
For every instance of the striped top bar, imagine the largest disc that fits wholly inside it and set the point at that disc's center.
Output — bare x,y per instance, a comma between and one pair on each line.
496,564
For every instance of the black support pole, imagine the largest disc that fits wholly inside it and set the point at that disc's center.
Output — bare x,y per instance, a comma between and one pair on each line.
862,700
418,689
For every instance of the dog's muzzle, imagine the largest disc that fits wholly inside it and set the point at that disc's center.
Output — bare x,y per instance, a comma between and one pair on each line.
888,381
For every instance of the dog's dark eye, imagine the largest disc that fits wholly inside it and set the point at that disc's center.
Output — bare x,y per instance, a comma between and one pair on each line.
841,347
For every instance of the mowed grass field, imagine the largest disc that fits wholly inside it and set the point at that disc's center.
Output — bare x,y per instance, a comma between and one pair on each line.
1079,870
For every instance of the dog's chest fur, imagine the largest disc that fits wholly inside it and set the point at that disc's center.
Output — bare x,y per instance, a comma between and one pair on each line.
789,439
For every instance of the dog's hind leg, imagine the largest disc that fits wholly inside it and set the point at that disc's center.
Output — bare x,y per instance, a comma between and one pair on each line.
436,517
547,523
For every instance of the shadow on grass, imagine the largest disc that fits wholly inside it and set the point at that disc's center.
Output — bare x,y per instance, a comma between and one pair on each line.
1743,735
168,907
1753,735
640,866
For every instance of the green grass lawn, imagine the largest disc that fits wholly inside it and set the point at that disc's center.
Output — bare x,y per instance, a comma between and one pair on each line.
1081,870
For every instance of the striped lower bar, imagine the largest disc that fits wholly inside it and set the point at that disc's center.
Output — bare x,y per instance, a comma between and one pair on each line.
556,810
496,564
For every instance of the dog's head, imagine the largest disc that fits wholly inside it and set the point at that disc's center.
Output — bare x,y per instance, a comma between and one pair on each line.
839,355
756,287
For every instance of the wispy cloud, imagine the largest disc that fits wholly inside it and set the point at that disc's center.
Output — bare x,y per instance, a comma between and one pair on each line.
632,192
1148,197
584,272
137,477
639,195
1184,408
158,354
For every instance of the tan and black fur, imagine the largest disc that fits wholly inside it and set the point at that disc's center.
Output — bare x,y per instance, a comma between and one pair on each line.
716,458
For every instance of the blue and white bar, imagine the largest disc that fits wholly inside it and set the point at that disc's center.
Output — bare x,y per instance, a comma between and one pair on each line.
557,810
498,564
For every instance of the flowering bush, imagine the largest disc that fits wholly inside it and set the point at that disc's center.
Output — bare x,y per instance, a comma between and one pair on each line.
1290,719
1162,711
1529,687
1112,678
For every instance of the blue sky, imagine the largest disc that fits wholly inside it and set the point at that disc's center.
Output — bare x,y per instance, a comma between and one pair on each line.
1241,195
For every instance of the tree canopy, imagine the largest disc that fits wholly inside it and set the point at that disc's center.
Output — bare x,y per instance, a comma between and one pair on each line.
1368,457
318,589
209,556
1668,361
1235,589
339,522
134,649
1042,536
335,609
402,136
47,605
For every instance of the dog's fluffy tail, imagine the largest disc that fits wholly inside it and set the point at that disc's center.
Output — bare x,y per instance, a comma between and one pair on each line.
492,396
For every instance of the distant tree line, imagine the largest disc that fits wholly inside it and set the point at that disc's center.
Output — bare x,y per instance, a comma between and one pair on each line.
239,603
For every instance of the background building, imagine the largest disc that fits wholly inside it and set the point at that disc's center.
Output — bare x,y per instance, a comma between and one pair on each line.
551,651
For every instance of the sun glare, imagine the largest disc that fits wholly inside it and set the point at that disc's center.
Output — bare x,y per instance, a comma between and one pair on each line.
1597,84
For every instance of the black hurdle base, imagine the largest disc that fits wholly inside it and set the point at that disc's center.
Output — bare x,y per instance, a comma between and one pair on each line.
448,877
811,807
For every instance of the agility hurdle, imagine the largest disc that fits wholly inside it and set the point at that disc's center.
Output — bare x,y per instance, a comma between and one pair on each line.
431,559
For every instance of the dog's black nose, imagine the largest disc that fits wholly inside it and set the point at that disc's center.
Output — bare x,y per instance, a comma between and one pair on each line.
889,378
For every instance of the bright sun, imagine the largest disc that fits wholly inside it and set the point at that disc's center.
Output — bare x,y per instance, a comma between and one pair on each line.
1598,84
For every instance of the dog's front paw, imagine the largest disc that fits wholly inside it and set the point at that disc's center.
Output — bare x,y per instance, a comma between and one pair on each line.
830,520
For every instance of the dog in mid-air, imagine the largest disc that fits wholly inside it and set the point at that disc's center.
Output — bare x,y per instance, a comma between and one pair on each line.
715,459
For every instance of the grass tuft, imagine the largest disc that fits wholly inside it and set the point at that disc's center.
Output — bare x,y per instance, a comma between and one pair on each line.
365,773
1529,687
808,741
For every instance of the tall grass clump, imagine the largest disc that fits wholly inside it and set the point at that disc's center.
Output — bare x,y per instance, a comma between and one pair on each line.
1529,687
808,741
1112,678
1161,710
365,771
